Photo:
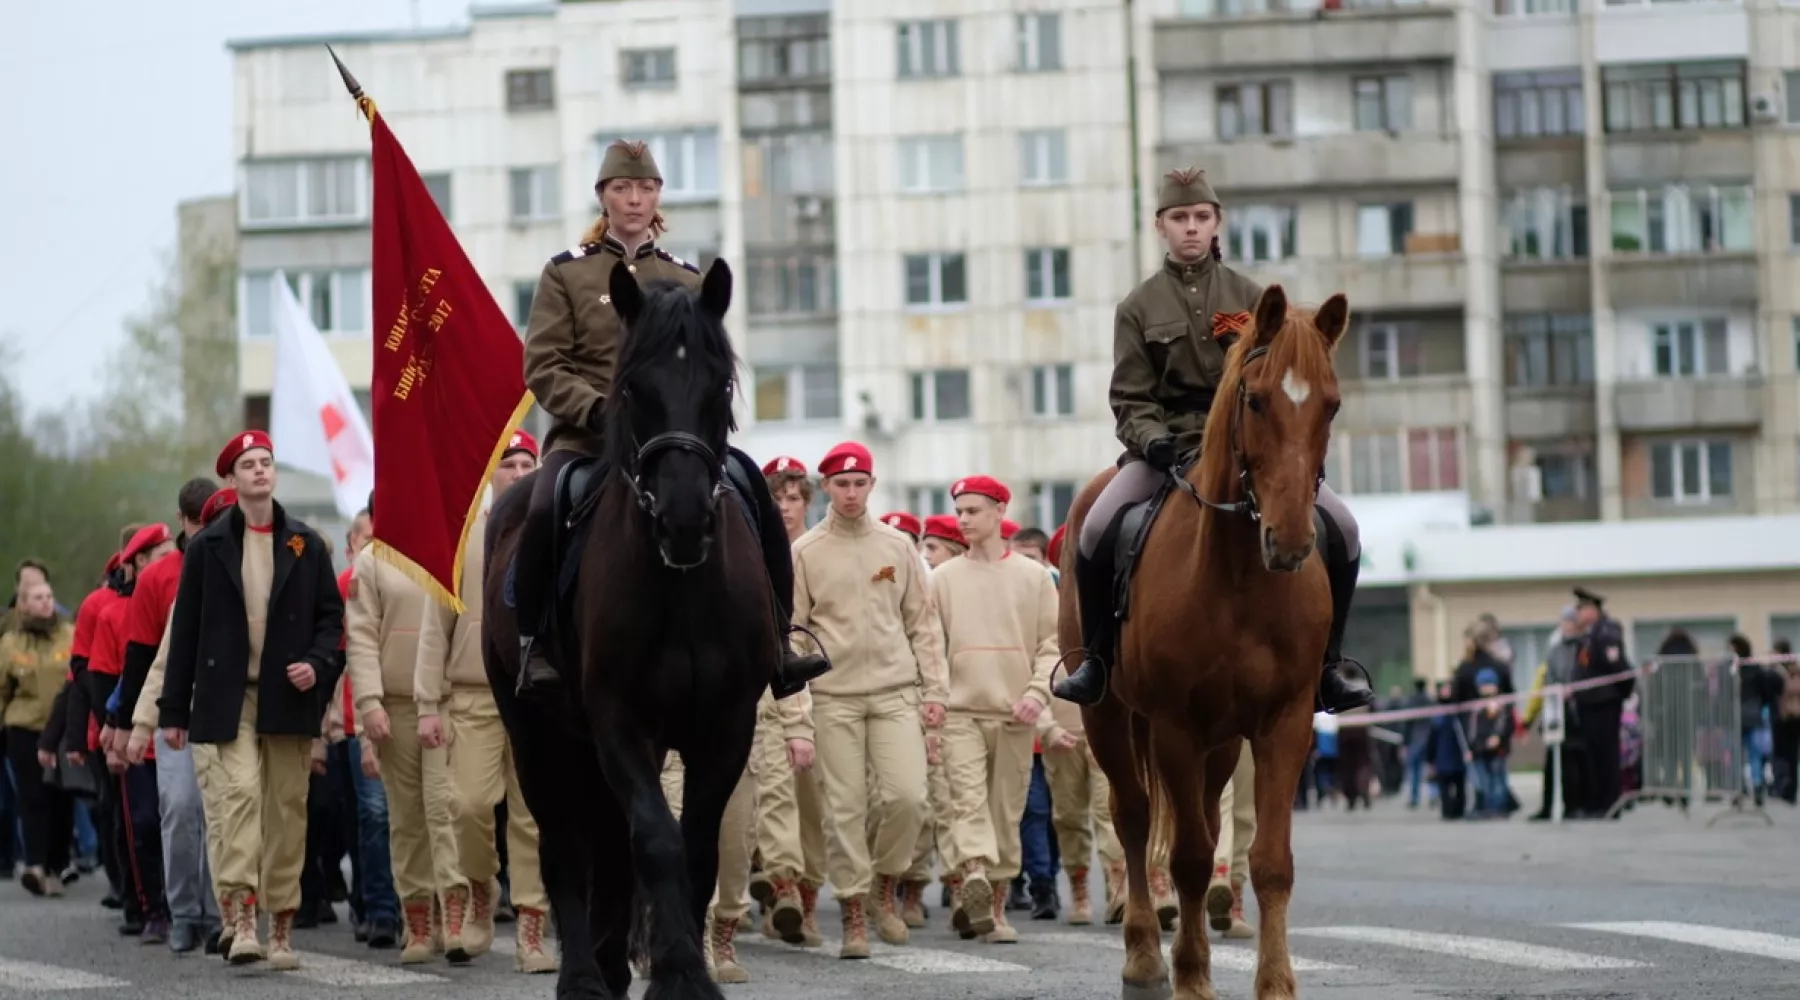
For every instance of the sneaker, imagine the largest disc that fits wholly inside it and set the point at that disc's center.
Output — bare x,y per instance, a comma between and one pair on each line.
156,931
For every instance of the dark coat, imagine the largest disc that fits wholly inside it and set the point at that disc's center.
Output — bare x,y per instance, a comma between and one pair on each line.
209,637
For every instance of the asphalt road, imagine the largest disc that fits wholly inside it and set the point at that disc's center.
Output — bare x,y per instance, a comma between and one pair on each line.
1390,905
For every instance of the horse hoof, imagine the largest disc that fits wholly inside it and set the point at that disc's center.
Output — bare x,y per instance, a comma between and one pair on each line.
1160,990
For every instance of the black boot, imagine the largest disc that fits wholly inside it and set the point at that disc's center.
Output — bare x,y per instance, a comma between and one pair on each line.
1044,904
1017,897
1093,587
536,676
1344,684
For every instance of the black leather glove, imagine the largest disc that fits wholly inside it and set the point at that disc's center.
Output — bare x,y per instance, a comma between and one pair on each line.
1161,454
596,419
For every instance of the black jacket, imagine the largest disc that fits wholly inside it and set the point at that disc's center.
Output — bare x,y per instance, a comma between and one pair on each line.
209,637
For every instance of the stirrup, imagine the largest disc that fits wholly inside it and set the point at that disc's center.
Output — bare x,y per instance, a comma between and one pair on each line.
535,672
1359,699
1067,688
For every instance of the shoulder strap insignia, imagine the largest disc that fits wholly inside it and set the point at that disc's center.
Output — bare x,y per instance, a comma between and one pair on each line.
677,261
575,253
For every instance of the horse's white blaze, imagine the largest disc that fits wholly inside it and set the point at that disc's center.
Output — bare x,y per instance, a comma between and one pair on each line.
1723,938
1516,953
35,977
329,970
1296,387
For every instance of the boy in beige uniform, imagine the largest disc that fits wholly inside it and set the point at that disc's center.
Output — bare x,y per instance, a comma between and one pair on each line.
383,618
457,716
859,588
998,613
1080,811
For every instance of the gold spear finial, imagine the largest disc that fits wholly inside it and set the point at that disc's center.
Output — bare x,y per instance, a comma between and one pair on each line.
363,101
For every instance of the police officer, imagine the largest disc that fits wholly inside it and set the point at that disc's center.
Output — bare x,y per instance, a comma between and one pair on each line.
1168,362
571,345
1602,652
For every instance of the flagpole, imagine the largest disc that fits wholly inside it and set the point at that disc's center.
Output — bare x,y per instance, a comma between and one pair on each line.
363,102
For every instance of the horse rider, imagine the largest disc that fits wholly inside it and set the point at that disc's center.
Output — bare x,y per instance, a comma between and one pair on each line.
571,346
859,587
1167,364
456,708
998,615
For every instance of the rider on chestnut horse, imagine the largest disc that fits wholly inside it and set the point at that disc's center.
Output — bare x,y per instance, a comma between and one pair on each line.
1167,364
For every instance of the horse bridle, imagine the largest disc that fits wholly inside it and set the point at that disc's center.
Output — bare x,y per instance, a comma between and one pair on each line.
670,441
1248,505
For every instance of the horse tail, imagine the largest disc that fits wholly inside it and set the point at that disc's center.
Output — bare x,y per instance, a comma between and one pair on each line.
1143,764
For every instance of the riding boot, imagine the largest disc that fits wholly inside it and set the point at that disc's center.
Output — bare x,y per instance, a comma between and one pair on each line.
533,571
1093,588
1344,684
796,669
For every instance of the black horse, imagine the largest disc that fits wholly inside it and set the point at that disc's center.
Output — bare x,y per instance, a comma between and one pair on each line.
672,639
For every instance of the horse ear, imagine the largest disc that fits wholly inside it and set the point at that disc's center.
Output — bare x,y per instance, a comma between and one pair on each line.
627,294
1333,318
715,289
1270,313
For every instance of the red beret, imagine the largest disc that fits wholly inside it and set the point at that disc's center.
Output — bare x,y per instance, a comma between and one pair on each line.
217,504
1053,551
846,457
986,486
521,440
148,537
784,463
247,441
112,563
944,526
1008,529
905,522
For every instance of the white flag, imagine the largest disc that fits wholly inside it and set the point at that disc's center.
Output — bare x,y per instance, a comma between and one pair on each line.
313,416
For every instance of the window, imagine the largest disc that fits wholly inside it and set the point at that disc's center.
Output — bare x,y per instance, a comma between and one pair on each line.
1673,96
1047,274
931,163
337,301
798,393
792,283
1433,460
1794,221
1549,350
439,186
1043,157
1531,8
926,49
1040,42
1682,219
1528,105
1566,475
1791,87
689,160
766,60
1250,109
1392,350
923,501
1381,230
1050,503
1053,391
798,163
1689,348
1375,463
940,395
1255,233
1383,103
936,279
1690,471
648,67
530,90
536,193
523,292
784,108
1545,224
305,192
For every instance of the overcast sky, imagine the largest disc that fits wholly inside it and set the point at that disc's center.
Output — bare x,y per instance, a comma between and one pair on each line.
115,111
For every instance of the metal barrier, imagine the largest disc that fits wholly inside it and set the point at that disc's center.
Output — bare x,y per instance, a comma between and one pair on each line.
1692,735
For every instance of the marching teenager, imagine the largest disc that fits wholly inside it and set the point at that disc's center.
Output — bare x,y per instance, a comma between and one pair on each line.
252,657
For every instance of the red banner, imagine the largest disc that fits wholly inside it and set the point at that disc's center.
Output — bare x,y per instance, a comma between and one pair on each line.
448,385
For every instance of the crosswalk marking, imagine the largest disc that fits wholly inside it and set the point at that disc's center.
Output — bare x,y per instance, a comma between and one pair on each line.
1516,953
34,977
329,970
1224,956
918,961
1723,938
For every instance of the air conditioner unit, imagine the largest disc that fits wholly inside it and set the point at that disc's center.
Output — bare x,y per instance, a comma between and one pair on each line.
1528,483
1765,108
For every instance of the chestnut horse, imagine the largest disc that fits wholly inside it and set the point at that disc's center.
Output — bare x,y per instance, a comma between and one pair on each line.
1228,625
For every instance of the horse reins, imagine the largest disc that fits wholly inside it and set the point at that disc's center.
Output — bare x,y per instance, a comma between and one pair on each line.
1249,504
670,441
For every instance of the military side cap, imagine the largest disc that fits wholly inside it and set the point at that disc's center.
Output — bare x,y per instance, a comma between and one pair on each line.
1185,187
631,160
1586,596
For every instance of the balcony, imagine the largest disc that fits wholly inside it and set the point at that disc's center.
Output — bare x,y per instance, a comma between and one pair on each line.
1550,412
1638,281
1422,401
1326,162
1651,158
1553,510
1548,285
1307,38
1402,282
1713,402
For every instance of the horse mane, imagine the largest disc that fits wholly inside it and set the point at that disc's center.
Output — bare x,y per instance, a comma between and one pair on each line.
1298,345
671,320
